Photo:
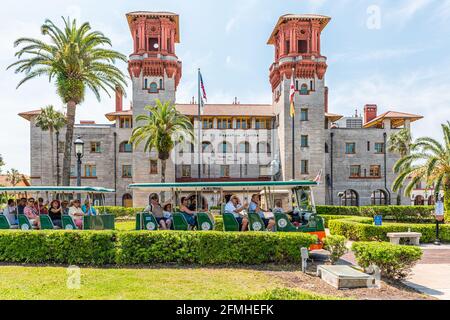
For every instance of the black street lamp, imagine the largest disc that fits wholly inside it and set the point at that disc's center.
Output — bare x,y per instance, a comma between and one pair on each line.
79,151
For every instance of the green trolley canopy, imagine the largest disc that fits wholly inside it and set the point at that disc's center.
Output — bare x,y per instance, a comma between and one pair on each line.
32,189
232,185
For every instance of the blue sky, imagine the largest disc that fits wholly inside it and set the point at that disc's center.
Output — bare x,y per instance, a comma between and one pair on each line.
402,64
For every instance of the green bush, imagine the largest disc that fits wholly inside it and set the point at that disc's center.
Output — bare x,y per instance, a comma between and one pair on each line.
358,231
288,294
328,218
211,247
121,211
394,261
336,245
415,214
65,247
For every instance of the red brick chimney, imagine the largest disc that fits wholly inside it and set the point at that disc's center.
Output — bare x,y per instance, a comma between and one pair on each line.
119,100
370,112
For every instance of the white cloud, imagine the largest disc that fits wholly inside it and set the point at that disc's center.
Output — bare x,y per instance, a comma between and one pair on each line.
375,55
404,12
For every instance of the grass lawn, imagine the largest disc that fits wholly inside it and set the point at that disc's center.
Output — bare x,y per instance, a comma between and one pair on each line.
164,283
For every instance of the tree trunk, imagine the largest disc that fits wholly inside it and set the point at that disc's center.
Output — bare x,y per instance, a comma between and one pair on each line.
71,108
447,199
163,180
52,146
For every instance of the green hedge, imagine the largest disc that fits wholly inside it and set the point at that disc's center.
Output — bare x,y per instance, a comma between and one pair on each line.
143,247
328,218
211,247
416,214
121,211
76,247
394,261
358,231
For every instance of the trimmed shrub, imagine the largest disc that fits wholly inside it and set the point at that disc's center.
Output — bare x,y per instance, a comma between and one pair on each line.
328,218
358,231
415,214
64,247
394,261
121,211
336,246
289,294
211,247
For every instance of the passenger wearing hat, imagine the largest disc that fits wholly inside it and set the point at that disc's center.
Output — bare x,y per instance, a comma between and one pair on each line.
158,212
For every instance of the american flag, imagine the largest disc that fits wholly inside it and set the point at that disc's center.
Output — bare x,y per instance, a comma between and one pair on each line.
202,86
318,178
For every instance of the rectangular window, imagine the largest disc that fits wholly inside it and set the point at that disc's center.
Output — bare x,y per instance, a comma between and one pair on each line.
126,171
375,171
302,46
243,123
73,172
224,171
186,171
304,167
350,148
368,145
304,141
224,123
206,170
262,123
379,147
153,44
95,147
287,48
61,146
125,122
355,171
304,115
153,166
90,170
208,123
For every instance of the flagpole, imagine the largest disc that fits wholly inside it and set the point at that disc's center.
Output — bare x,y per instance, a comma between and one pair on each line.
199,129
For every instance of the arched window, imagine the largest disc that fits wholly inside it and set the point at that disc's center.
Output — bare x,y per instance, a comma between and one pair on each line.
419,201
350,198
127,200
225,147
153,87
125,147
379,198
431,201
186,148
244,147
207,147
263,147
304,89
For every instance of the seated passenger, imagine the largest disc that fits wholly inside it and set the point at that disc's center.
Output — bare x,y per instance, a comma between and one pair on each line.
233,207
55,212
278,207
88,209
65,207
41,207
10,212
255,206
76,213
31,213
189,214
21,205
155,208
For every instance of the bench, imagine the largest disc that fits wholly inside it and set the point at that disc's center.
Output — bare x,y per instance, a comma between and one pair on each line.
414,237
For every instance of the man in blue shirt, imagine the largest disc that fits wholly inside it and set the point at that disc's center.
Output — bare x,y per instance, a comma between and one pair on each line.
255,206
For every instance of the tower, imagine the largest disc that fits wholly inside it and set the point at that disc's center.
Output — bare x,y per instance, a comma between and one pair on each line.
155,72
297,42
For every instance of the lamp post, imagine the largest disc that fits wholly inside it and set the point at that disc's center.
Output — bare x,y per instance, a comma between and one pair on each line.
79,151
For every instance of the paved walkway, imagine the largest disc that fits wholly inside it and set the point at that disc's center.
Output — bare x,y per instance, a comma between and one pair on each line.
431,275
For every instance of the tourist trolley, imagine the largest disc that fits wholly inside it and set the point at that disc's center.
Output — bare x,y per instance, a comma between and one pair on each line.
297,198
101,221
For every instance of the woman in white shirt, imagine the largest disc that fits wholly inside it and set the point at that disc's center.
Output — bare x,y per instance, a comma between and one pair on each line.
10,212
76,213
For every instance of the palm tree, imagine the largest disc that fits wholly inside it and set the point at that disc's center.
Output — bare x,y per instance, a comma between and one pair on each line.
51,120
400,142
75,59
429,161
161,130
13,177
